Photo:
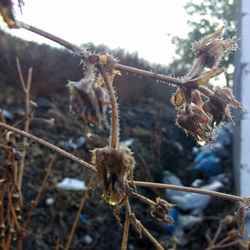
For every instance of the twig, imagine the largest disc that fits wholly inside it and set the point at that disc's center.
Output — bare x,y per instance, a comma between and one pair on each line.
137,183
83,199
114,140
39,194
76,49
139,225
126,230
50,146
189,189
26,89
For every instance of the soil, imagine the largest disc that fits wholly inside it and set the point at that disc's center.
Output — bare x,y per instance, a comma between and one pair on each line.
158,145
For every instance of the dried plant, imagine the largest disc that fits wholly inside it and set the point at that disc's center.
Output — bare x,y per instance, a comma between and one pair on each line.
199,110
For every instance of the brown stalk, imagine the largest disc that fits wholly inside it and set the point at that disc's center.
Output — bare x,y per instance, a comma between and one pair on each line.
49,145
26,89
126,230
114,140
137,183
82,202
76,49
38,196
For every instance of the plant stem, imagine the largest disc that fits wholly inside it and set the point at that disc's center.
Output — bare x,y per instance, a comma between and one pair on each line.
50,146
189,189
76,49
137,183
114,137
83,199
26,89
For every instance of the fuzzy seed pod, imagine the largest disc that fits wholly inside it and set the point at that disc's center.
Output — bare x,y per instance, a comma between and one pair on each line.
211,48
115,167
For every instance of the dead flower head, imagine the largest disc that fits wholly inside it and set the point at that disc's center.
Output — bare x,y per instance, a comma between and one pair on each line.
195,121
161,209
219,104
115,168
211,48
88,100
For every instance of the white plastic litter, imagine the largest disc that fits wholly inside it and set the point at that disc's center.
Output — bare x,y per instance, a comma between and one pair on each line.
71,184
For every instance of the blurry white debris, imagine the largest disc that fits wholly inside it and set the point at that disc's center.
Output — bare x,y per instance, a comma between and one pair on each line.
87,239
49,201
127,143
197,183
187,200
188,221
7,115
72,145
71,184
223,135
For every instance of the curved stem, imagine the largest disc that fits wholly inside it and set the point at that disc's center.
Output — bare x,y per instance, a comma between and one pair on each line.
115,129
49,145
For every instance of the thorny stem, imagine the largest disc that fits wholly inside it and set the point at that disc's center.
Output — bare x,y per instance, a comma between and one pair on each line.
137,183
76,49
189,189
83,199
114,140
126,230
26,89
139,225
144,199
50,146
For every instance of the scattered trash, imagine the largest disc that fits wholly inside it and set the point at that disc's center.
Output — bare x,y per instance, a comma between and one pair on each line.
173,212
187,200
127,143
50,201
87,239
188,221
207,163
71,184
7,115
71,145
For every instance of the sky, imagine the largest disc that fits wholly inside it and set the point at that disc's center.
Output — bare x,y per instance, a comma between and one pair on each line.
145,26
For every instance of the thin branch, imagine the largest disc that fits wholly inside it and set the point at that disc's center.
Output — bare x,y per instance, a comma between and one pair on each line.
76,49
83,199
50,146
39,194
189,189
114,140
126,230
26,89
137,183
139,225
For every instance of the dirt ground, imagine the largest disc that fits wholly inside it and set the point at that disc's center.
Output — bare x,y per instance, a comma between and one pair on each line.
158,145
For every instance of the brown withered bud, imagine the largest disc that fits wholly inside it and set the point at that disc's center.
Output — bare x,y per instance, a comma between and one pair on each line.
161,209
88,101
181,96
115,167
195,121
7,12
196,98
219,105
211,48
240,218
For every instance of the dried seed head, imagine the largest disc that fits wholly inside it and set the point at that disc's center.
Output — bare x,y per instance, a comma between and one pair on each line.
181,97
196,98
7,13
88,100
195,121
240,217
115,167
211,48
219,105
161,209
